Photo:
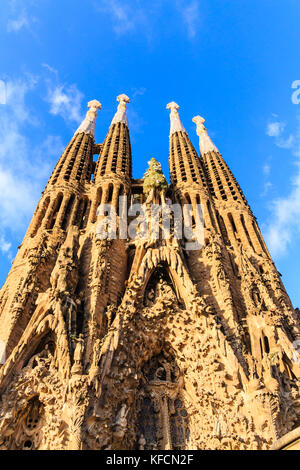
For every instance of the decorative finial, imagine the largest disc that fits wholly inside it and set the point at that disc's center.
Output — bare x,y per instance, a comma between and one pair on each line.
122,98
199,121
206,145
172,105
94,105
120,115
176,124
88,124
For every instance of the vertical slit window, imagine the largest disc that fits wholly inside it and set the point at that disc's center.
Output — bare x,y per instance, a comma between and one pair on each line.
68,211
232,223
85,212
55,212
246,232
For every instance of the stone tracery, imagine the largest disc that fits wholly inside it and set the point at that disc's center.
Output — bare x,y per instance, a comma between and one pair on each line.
121,344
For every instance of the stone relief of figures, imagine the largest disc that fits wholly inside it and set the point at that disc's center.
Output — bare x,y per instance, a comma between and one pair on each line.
35,394
220,281
64,276
160,286
160,426
120,424
78,355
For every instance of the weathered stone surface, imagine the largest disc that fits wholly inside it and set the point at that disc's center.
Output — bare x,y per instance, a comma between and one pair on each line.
139,344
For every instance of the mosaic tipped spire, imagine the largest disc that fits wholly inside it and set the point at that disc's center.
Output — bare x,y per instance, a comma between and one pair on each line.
88,124
120,115
176,124
205,142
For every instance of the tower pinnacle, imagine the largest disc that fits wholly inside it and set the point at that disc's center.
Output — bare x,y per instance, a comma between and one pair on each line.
206,145
88,124
120,115
176,124
118,329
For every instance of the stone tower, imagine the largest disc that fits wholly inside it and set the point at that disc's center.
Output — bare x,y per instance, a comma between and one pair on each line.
140,343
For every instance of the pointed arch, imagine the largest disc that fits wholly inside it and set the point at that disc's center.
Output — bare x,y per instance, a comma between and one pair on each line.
165,272
43,322
159,277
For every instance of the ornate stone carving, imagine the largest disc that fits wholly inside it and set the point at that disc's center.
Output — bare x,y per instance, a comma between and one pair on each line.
142,344
176,124
205,142
120,115
88,125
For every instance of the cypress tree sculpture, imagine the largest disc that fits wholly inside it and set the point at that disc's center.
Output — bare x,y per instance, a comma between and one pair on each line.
154,180
144,343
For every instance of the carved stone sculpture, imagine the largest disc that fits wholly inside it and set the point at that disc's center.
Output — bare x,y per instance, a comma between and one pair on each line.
144,344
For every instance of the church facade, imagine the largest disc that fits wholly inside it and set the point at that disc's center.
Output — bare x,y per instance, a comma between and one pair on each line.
141,343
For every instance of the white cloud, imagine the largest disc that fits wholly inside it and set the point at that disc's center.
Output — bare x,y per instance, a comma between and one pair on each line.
65,101
52,146
190,15
16,92
128,16
18,16
19,170
267,169
267,186
274,129
125,15
5,246
26,162
138,92
18,23
50,69
287,143
136,122
284,226
123,23
24,166
266,172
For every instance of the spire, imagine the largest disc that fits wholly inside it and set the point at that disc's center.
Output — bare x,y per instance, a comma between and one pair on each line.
120,115
184,163
223,184
116,151
77,160
88,124
176,124
206,145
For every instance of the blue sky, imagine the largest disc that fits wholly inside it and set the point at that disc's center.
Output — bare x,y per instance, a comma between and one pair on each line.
231,61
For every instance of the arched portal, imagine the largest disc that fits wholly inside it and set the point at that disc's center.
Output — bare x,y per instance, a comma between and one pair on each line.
160,284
